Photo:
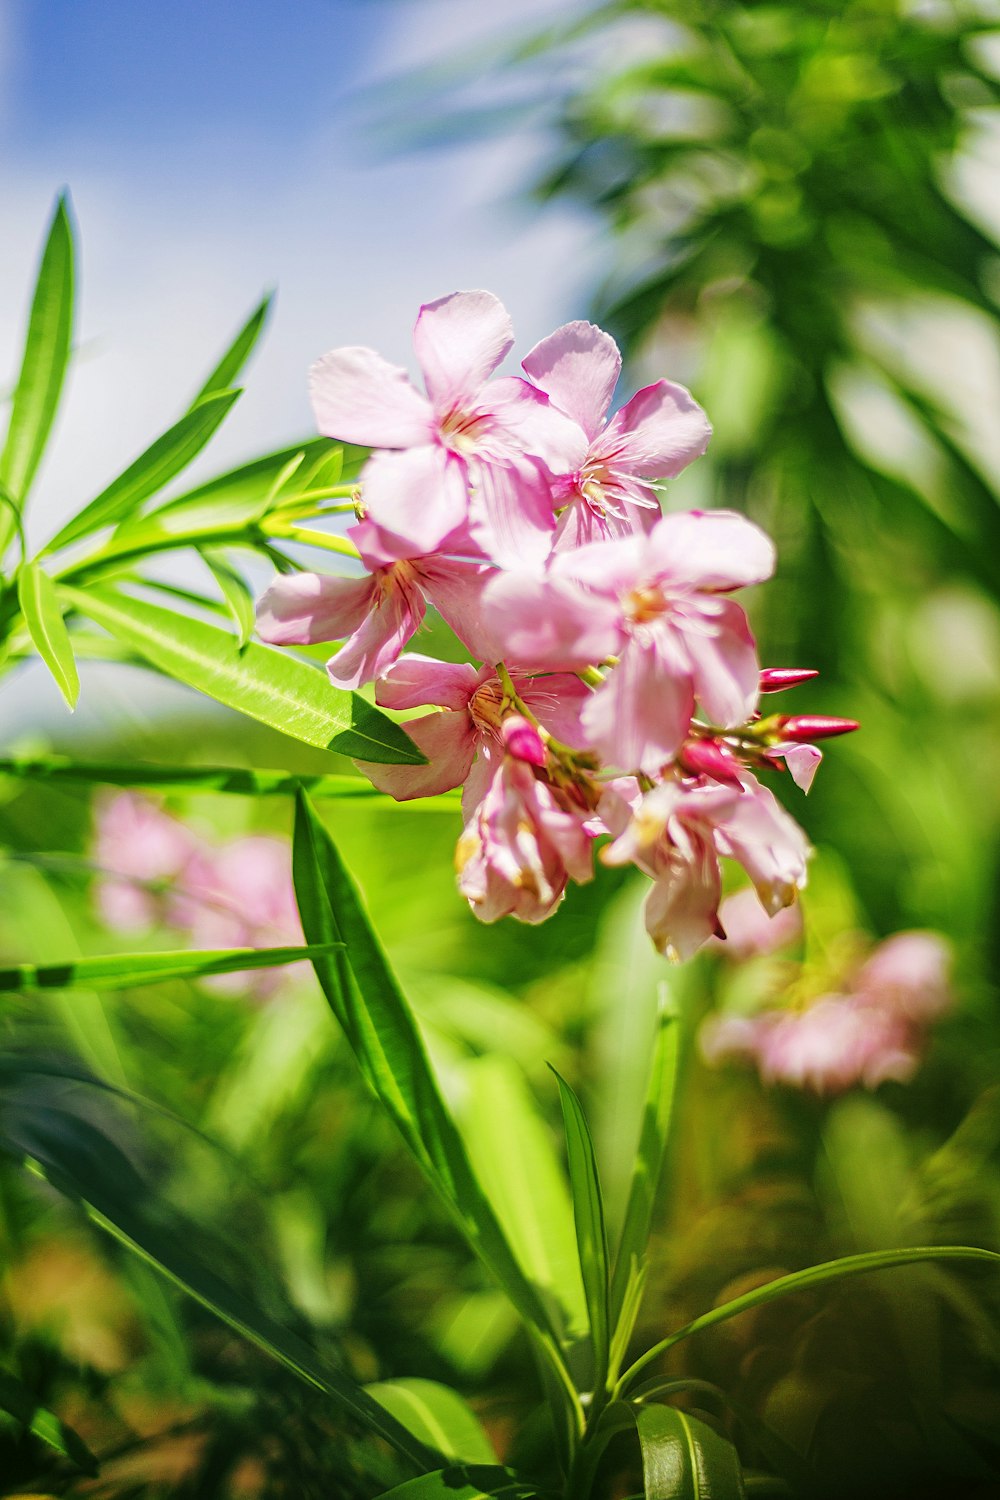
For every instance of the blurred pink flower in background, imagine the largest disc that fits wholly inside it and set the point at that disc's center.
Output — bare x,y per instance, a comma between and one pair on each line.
875,1030
154,869
751,931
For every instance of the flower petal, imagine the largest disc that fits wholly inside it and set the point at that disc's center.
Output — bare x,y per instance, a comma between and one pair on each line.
415,498
578,367
511,513
530,423
557,699
395,613
460,339
610,568
359,397
724,660
415,680
641,715
682,909
449,743
304,608
544,621
456,589
715,549
768,843
658,433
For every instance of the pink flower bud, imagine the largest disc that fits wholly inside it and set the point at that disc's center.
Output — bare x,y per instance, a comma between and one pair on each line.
522,740
775,679
710,758
804,728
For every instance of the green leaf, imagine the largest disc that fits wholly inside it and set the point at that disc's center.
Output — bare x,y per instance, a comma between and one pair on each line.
591,1235
171,453
239,781
18,1401
272,686
228,369
377,1020
43,617
800,1281
626,1283
684,1459
234,589
83,1162
120,971
437,1416
465,1482
524,1182
43,368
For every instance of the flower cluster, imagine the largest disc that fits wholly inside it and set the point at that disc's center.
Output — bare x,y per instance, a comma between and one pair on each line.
873,1028
620,685
155,870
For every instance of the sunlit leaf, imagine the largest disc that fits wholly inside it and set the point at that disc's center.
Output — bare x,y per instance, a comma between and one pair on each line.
121,971
43,617
18,1401
151,470
235,591
591,1235
685,1459
227,371
437,1416
272,686
43,367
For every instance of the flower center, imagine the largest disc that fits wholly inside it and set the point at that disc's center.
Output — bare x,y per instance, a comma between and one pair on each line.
485,705
644,603
462,431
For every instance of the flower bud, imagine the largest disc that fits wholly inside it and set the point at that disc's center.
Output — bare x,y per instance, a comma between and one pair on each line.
710,758
522,740
803,728
775,679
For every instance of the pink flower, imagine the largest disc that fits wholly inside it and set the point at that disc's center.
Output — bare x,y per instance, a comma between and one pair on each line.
520,847
751,931
141,845
908,974
375,615
463,743
654,602
471,446
605,490
241,896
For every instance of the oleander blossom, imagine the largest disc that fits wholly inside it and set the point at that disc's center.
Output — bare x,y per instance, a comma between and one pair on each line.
154,870
874,1028
613,692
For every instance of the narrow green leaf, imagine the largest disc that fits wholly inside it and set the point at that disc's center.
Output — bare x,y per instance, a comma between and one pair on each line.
18,1401
684,1459
43,367
119,971
799,1281
43,616
228,369
591,1235
626,1283
240,781
465,1482
170,453
234,590
272,686
86,1164
437,1416
377,1020
525,1183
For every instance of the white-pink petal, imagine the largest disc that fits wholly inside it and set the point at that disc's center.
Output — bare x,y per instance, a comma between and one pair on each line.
396,612
578,367
359,397
659,432
715,549
641,715
723,659
459,340
544,622
416,498
449,743
417,680
305,608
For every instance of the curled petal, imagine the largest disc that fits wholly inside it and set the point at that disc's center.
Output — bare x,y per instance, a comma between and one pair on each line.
449,743
415,680
416,498
396,611
801,760
305,608
544,622
714,549
460,339
768,843
456,588
682,909
723,659
359,397
641,715
578,367
659,432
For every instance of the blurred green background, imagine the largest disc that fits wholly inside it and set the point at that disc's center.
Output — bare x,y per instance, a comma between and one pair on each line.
789,203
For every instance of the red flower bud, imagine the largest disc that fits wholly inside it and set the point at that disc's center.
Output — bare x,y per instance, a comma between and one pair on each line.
522,740
710,758
775,679
804,728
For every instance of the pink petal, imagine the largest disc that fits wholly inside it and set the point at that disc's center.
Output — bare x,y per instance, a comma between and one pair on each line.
511,515
415,498
525,421
715,549
460,340
415,680
541,622
397,610
610,568
456,588
768,843
557,699
682,909
578,367
641,716
801,760
359,397
303,608
659,432
724,661
449,742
